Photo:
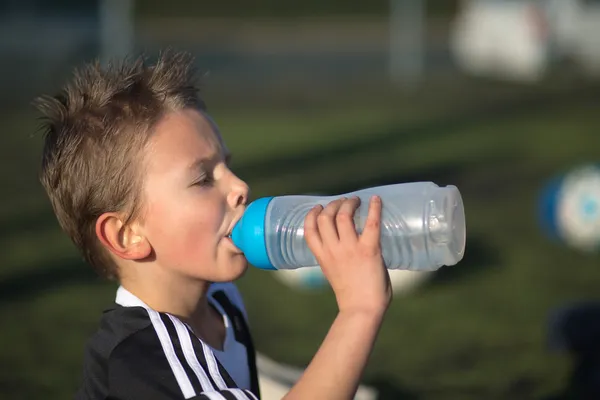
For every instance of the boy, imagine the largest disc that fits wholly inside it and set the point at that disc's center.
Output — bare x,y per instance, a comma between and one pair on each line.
138,176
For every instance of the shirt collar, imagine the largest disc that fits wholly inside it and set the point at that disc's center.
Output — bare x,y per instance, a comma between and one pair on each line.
127,299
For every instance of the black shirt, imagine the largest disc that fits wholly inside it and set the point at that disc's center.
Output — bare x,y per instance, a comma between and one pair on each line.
139,353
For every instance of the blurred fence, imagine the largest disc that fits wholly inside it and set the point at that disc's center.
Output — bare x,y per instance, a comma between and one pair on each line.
239,55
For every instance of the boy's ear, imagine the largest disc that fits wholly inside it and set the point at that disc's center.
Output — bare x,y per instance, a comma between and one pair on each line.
124,241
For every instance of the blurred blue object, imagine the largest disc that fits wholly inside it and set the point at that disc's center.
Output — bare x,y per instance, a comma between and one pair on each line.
548,206
569,208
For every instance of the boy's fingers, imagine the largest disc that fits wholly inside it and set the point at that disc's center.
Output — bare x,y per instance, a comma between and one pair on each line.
311,229
372,231
326,222
345,220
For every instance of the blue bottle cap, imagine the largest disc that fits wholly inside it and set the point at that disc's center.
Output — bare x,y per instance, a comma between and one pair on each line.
249,234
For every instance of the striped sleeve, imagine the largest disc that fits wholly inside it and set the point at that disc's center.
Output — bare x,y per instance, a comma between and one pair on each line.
165,361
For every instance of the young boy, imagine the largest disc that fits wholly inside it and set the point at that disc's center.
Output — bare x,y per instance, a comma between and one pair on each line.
138,176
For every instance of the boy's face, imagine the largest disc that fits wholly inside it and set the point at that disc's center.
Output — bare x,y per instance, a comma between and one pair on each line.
192,199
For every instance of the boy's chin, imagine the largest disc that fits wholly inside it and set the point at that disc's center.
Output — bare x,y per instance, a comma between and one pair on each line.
234,268
242,267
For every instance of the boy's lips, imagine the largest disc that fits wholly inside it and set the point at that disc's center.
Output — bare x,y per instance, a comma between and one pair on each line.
233,224
230,231
232,245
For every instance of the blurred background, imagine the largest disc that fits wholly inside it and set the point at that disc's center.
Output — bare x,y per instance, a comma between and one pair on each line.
499,98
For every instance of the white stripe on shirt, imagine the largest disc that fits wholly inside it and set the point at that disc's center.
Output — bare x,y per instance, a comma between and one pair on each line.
239,394
213,368
190,354
165,341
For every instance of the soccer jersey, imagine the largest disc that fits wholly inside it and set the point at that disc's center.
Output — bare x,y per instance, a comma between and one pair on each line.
139,353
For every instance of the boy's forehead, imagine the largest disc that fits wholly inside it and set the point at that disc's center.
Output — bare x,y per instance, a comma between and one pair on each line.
184,136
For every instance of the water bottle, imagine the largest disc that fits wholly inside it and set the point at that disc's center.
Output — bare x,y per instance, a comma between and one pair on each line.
422,227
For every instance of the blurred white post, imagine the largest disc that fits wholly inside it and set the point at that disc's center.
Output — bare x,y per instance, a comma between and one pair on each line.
116,29
407,41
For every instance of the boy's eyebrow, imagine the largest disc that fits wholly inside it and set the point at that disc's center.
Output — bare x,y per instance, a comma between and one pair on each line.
201,163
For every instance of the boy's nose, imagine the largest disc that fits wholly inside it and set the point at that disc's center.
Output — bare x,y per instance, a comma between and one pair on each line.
239,193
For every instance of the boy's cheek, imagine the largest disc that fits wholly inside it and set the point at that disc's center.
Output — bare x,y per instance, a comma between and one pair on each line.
189,245
164,219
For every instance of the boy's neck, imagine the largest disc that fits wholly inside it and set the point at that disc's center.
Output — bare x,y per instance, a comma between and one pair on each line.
170,293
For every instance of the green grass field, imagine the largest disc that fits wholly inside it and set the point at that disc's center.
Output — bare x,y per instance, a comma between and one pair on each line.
476,330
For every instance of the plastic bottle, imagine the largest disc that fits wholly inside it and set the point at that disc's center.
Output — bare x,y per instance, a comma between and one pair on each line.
422,227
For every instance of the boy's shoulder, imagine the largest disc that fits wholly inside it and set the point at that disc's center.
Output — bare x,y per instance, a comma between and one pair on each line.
117,324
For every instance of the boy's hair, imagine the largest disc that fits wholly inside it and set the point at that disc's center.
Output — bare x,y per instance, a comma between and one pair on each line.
95,131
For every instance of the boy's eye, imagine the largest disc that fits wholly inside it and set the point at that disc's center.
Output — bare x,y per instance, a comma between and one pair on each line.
204,180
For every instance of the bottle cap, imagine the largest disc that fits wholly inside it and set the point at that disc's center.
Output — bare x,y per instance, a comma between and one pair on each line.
446,225
249,234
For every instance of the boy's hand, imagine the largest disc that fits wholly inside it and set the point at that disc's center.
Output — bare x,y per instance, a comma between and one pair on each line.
352,264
